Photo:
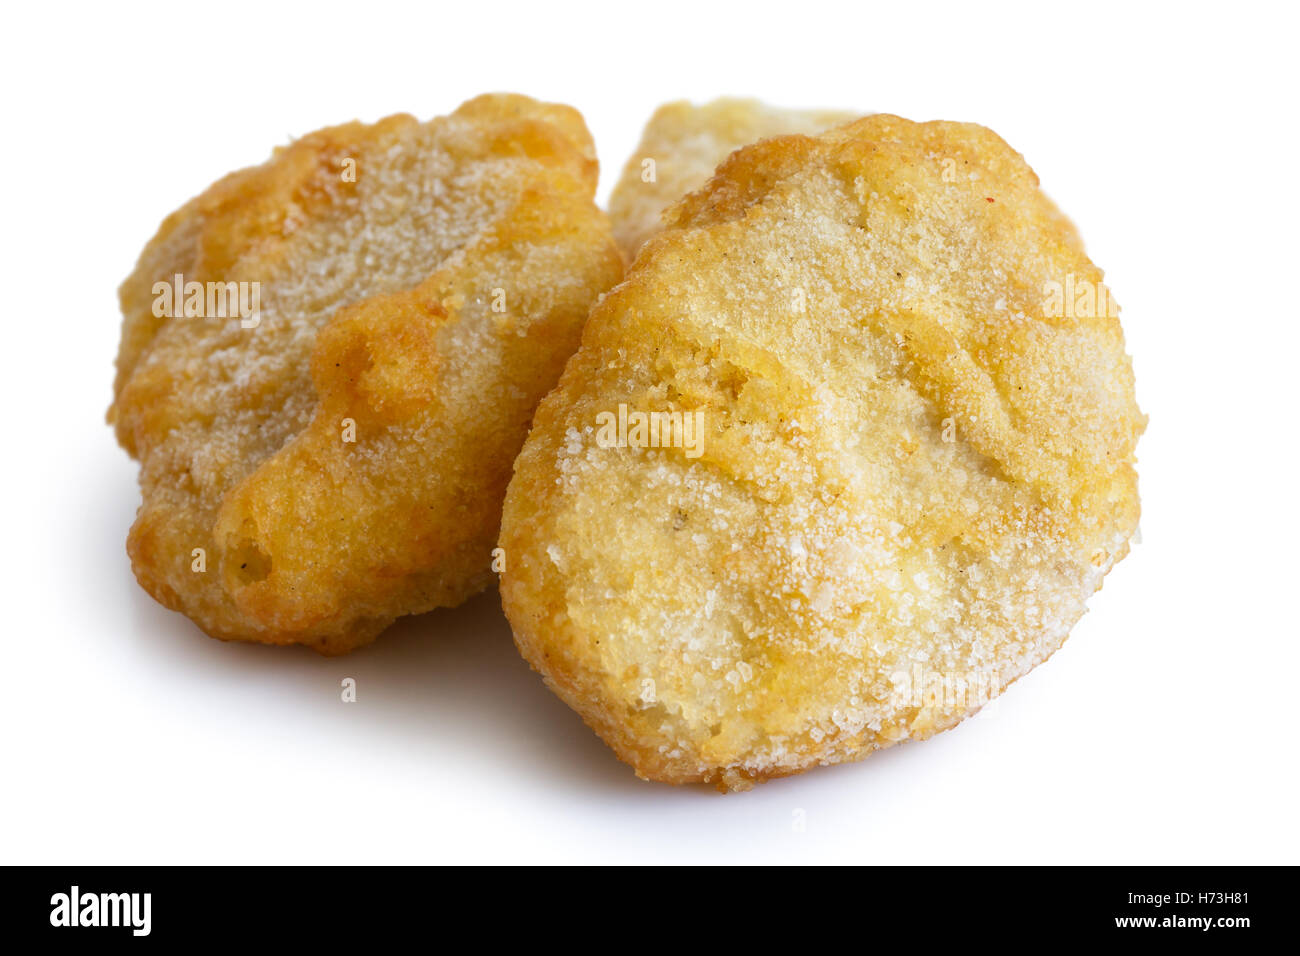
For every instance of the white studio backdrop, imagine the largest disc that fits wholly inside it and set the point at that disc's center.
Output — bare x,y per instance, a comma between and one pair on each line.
1160,733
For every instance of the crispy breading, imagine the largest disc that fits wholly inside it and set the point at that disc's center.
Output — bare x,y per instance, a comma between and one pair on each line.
686,142
917,460
343,461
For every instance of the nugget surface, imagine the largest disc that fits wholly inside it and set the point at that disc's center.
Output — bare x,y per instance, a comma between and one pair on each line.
916,465
686,142
342,462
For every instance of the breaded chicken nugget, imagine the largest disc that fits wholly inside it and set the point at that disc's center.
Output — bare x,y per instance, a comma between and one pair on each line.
680,147
844,455
329,362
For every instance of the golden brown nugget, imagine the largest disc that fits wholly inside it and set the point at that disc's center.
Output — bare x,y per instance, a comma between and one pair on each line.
901,462
337,458
686,142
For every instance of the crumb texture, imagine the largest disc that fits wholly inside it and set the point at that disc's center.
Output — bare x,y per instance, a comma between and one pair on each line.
343,461
915,468
686,142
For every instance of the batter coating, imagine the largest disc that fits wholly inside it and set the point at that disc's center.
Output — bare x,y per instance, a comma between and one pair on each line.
916,465
685,143
338,459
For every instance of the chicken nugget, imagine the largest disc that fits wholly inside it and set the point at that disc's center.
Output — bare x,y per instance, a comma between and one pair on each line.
680,147
329,361
843,456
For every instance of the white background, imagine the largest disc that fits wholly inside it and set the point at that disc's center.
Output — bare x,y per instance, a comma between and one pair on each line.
1163,732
